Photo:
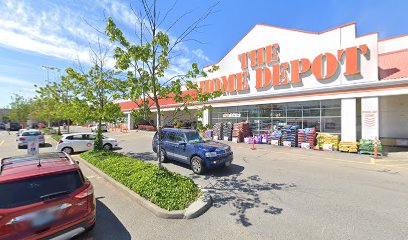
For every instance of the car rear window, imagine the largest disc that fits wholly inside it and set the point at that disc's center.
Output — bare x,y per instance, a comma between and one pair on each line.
31,133
32,190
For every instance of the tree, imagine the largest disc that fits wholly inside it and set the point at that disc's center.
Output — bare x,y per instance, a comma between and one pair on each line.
20,108
93,93
147,60
53,103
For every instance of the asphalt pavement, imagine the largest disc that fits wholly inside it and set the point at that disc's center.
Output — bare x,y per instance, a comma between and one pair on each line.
267,193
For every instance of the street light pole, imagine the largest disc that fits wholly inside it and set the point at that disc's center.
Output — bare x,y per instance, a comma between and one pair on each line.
48,68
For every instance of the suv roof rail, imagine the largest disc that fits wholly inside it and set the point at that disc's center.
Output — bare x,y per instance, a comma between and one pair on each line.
30,158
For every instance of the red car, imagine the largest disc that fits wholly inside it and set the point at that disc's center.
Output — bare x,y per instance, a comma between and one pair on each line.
44,196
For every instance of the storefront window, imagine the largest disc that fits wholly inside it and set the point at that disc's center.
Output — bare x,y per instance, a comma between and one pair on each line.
325,115
331,124
312,123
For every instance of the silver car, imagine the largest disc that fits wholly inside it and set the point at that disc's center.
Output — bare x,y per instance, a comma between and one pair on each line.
26,136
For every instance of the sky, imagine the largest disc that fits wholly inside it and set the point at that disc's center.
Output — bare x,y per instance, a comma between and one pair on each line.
59,33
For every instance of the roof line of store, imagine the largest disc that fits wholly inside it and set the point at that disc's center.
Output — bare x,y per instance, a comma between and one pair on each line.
392,52
288,29
389,38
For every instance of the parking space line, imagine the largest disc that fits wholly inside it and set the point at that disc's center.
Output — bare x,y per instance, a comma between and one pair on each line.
1,143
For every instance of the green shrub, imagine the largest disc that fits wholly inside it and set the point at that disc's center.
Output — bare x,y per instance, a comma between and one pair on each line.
166,189
56,137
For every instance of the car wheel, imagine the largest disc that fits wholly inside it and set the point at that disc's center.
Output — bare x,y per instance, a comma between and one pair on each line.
163,157
67,150
107,146
197,165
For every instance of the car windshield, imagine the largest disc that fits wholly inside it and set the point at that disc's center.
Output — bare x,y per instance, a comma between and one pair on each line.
194,137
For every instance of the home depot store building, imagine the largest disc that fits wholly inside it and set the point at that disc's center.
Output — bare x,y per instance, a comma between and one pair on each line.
356,86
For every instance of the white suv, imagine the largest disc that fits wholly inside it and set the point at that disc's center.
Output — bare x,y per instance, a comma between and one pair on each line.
79,142
104,128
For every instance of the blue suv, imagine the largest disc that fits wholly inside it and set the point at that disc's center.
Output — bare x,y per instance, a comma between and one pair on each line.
187,146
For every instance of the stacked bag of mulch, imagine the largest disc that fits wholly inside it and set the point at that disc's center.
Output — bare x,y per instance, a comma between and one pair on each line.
289,134
276,136
227,131
367,146
218,131
307,135
351,147
326,138
240,131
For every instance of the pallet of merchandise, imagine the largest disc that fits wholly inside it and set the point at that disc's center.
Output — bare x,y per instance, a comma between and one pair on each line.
218,131
289,133
227,131
351,147
327,138
307,135
367,146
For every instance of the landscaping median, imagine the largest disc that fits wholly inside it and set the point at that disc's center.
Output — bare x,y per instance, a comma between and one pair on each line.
168,190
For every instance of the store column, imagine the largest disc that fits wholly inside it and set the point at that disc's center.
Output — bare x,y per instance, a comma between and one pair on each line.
348,120
369,118
206,117
129,121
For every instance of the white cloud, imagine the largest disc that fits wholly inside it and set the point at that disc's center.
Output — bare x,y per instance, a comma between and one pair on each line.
58,30
53,31
9,81
200,54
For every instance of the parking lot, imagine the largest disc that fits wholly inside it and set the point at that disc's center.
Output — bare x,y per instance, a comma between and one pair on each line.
267,193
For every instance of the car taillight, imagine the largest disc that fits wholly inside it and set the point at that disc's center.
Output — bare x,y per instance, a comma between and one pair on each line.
22,139
60,141
87,192
42,137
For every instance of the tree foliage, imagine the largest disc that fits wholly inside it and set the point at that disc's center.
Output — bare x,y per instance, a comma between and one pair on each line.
94,93
147,61
20,108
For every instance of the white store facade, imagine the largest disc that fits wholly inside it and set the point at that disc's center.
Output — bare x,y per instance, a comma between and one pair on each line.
335,81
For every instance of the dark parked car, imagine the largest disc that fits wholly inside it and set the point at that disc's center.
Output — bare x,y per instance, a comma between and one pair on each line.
44,196
189,147
13,126
2,125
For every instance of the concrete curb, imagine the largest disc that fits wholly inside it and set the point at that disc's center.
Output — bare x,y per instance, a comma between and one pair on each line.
197,208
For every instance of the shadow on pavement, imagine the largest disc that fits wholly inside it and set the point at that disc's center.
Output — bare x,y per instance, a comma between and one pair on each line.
228,188
144,156
242,194
107,225
46,145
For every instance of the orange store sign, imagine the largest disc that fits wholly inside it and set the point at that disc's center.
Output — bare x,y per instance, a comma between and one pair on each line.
270,72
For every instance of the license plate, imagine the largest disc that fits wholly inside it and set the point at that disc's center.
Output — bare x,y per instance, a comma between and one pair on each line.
43,220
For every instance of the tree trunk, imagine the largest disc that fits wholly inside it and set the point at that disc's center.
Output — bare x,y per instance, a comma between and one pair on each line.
159,140
59,127
68,124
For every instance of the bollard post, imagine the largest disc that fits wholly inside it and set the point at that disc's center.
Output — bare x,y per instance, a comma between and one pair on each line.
375,147
253,143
